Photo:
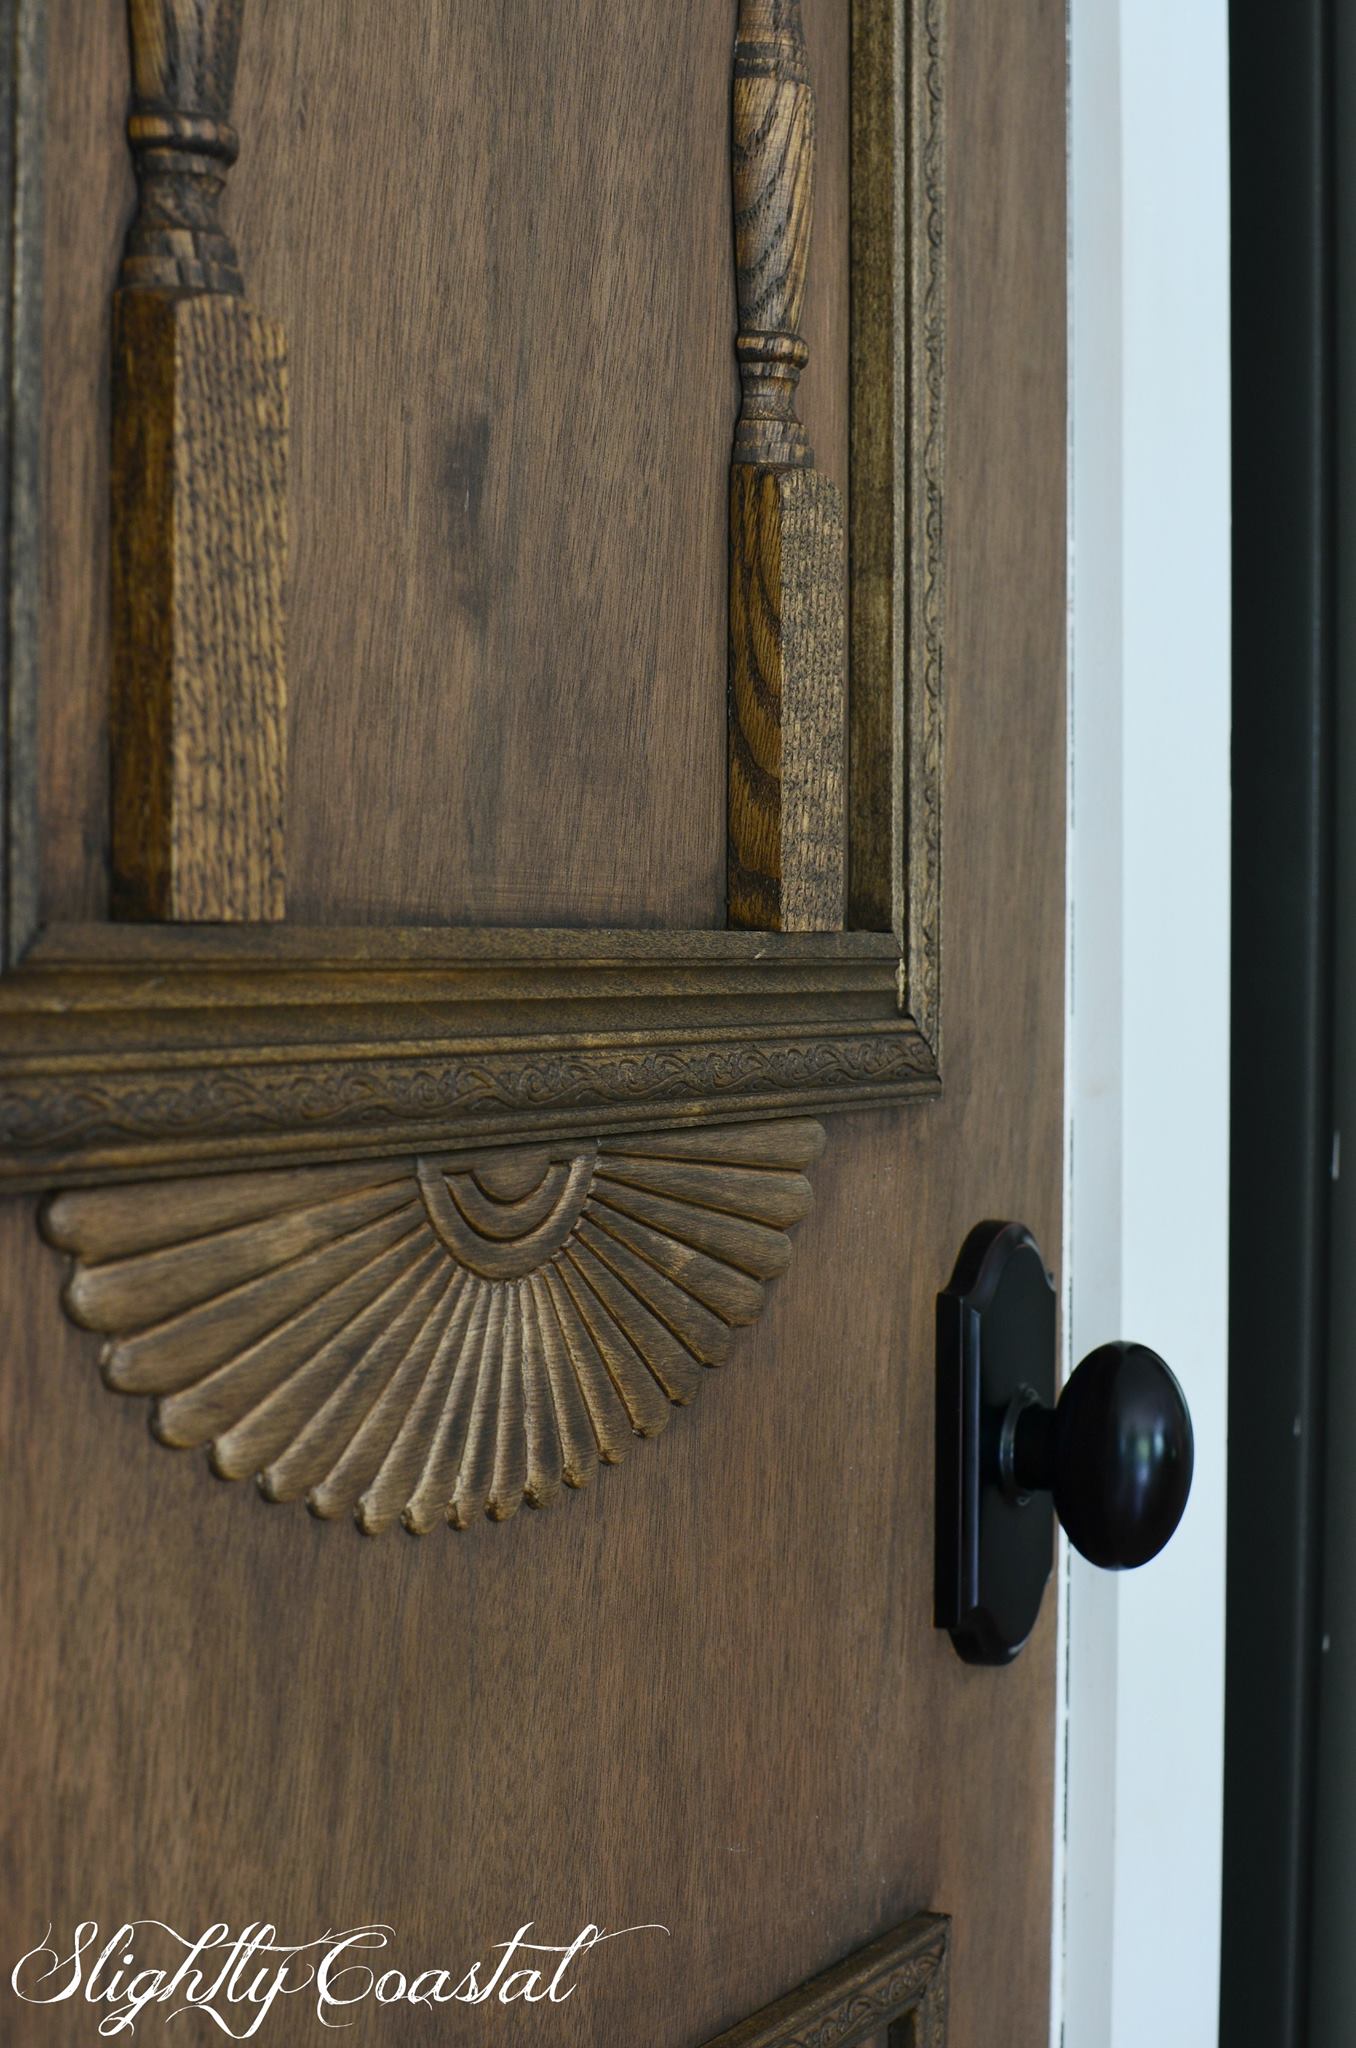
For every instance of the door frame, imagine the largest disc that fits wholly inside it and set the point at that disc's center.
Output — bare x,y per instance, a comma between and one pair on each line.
1147,1192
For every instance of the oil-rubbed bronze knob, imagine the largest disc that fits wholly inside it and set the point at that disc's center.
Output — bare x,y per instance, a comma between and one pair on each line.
1116,1454
1113,1457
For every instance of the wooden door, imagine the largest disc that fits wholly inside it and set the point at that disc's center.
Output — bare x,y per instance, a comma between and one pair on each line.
509,1039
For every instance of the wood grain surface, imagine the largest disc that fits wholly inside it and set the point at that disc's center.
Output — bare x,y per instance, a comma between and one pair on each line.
512,395
711,1695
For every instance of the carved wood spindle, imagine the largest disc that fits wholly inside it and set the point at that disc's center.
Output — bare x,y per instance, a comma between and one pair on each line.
774,166
787,635
199,505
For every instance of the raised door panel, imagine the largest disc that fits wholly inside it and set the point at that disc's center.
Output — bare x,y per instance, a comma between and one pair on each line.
501,256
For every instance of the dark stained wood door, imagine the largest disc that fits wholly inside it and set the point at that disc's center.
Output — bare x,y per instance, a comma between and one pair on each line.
704,1690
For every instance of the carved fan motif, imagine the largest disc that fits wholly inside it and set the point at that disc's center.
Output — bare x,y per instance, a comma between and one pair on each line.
424,1342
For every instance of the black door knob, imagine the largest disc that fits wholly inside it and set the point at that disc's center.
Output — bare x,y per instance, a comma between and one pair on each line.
1115,1453
1113,1457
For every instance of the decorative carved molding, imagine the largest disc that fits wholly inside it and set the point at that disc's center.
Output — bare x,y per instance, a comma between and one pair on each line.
424,1340
897,534
335,1045
918,912
380,1092
903,1976
23,113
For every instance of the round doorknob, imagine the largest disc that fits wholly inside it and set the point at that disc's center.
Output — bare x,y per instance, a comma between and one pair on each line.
1111,1457
1116,1452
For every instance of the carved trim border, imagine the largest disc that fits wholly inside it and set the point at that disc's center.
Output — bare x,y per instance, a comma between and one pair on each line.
195,1050
23,43
126,1051
903,1976
918,921
147,1118
431,1341
897,533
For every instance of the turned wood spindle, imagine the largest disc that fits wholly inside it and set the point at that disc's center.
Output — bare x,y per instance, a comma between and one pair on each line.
183,144
787,545
773,165
199,505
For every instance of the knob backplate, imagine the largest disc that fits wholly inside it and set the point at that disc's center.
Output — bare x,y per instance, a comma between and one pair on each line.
996,1356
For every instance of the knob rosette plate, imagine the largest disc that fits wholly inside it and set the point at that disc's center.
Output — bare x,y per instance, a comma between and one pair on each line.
996,1357
1113,1459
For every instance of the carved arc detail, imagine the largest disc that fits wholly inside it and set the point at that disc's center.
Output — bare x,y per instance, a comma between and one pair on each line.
431,1341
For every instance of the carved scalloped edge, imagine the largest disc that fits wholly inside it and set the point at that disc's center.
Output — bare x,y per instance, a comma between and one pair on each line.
432,1341
330,1106
348,1094
904,1974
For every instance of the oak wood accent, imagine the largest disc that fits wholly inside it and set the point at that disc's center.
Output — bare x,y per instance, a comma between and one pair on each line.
787,847
787,652
898,1983
198,737
428,1341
